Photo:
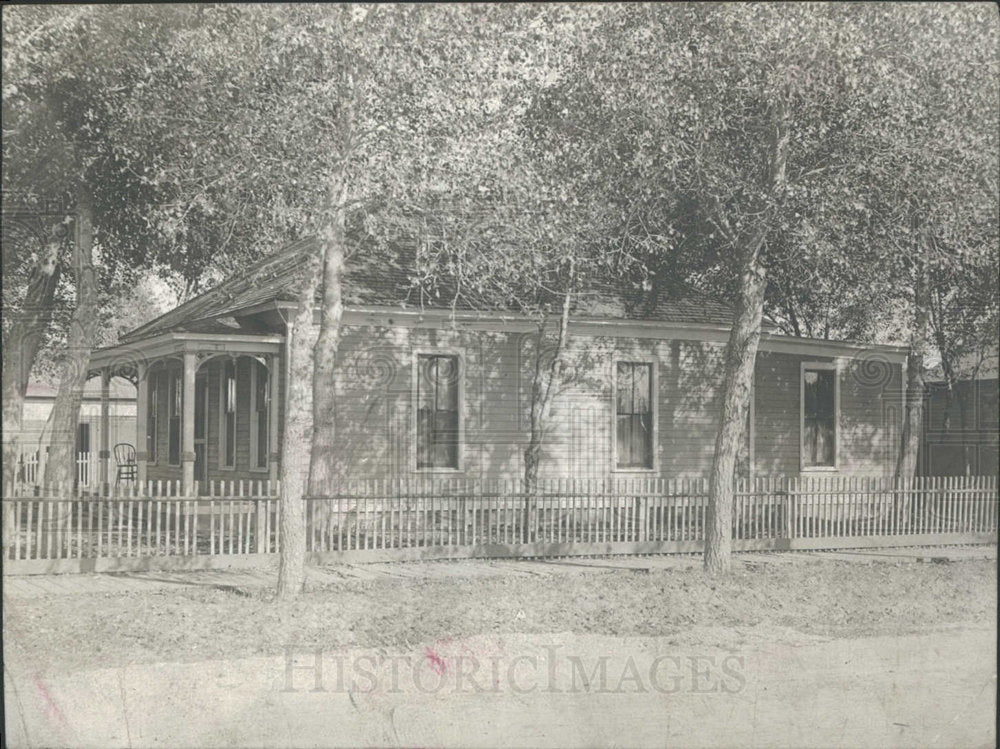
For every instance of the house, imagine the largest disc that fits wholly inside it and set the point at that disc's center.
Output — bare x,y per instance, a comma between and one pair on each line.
35,435
426,386
961,432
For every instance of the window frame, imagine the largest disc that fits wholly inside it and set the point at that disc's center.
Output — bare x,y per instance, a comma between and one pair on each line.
257,368
827,366
414,408
223,393
654,403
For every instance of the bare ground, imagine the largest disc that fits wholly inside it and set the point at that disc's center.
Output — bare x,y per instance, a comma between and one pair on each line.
759,603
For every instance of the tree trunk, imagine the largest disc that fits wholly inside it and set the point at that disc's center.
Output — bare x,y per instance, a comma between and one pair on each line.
741,354
61,465
544,382
953,397
323,466
297,436
906,466
20,347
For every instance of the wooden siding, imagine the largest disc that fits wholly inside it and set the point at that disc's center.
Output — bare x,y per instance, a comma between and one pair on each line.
870,416
375,416
375,394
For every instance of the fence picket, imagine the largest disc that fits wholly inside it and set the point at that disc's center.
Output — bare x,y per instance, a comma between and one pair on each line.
966,505
48,535
979,496
982,502
942,493
17,527
28,535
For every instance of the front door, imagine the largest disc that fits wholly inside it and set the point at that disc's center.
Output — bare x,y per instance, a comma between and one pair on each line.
200,428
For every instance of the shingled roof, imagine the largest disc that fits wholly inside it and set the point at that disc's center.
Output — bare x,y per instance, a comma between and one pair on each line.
388,283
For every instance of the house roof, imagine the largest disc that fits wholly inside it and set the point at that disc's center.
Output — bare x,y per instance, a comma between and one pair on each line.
388,283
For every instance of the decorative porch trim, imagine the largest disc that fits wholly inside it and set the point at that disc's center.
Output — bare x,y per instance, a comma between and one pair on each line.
175,344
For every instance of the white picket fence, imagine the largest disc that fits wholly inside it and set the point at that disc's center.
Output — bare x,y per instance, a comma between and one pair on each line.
231,523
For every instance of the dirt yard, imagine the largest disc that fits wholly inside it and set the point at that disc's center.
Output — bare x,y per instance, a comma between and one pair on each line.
757,604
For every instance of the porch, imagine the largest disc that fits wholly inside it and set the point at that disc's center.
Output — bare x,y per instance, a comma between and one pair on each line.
208,407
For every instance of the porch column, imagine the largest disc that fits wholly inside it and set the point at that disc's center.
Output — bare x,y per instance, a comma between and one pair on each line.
141,411
105,453
187,424
274,386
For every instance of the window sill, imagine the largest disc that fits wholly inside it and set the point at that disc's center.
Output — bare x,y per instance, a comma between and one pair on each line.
634,470
818,469
438,470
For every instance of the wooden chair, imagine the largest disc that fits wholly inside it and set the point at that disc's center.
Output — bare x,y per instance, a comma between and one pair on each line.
128,469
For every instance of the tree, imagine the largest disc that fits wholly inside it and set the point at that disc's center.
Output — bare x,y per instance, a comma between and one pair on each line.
540,233
769,123
346,108
26,321
72,127
39,135
740,108
931,210
963,322
26,318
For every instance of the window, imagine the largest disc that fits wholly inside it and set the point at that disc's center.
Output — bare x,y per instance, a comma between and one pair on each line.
261,399
154,409
227,421
634,414
437,411
819,416
174,425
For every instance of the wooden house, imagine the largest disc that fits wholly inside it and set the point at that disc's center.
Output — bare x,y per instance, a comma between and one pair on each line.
426,386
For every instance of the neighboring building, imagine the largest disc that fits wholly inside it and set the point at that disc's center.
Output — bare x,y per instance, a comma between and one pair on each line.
961,432
425,388
35,435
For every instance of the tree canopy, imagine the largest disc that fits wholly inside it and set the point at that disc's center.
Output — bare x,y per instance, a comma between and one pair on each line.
832,166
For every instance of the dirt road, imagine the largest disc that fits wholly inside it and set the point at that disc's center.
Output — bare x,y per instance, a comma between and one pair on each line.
928,690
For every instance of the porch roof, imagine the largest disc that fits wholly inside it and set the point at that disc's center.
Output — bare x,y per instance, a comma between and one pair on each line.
125,359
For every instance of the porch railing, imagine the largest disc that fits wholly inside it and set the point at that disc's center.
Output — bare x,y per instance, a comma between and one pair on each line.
229,523
31,469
